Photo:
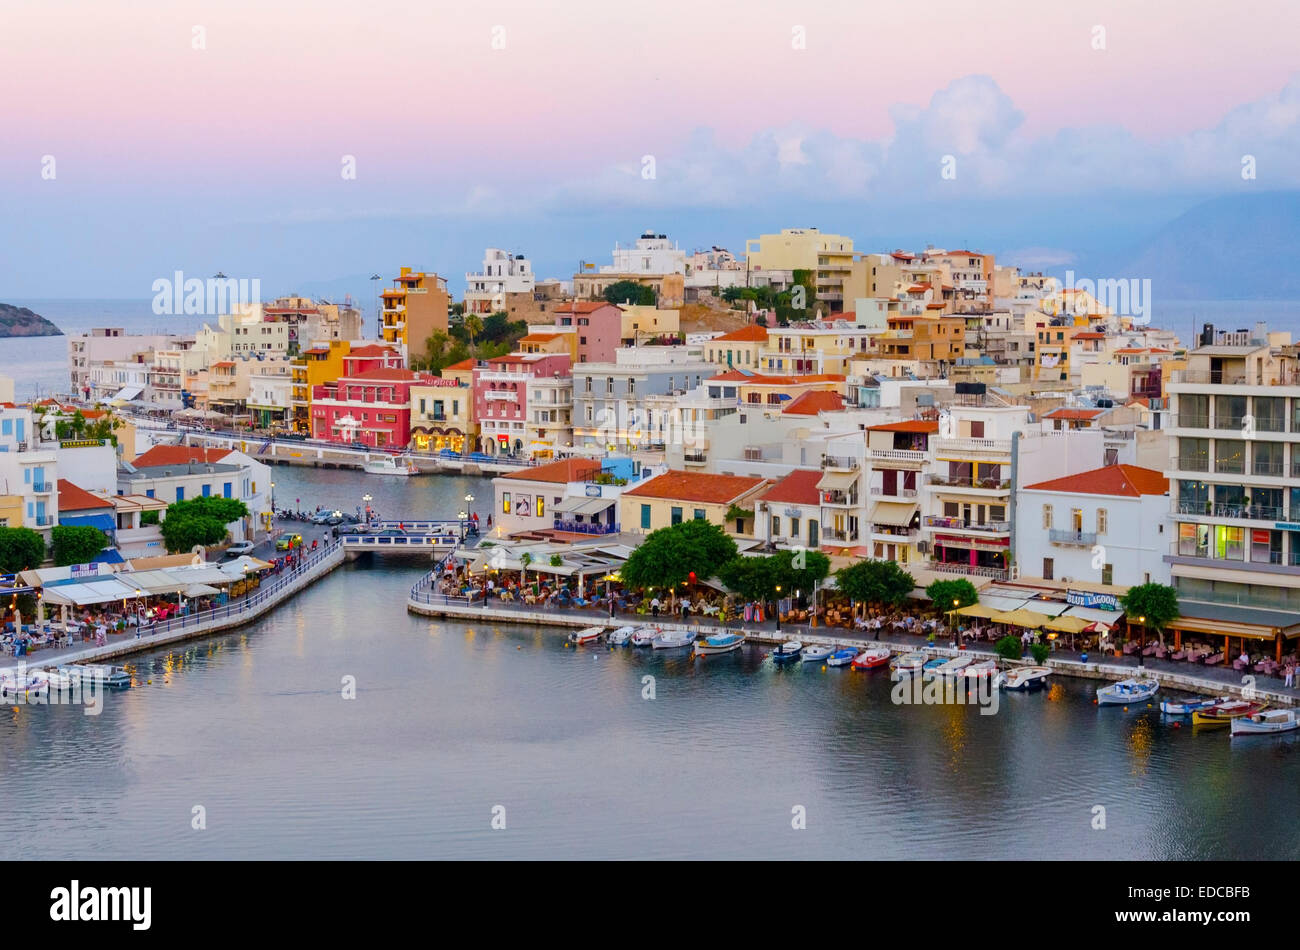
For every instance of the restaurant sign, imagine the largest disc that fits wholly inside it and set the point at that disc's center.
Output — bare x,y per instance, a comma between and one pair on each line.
1088,598
80,571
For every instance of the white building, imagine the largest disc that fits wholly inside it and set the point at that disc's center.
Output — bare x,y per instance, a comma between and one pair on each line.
651,254
503,273
28,474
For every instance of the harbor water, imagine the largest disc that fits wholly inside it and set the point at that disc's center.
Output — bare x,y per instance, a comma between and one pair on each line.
454,725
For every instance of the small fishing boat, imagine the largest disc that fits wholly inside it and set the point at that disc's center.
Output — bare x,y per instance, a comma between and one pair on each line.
871,659
1185,707
1024,678
817,653
1266,722
586,635
60,679
981,670
842,657
29,686
930,667
948,669
673,640
620,637
114,677
906,664
1133,690
644,635
719,643
1222,714
787,652
390,465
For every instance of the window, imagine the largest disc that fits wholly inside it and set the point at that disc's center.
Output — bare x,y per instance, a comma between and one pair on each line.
699,514
1047,517
794,527
1193,539
148,492
977,429
631,385
609,385
774,529
180,492
505,502
676,516
1101,523
588,384
540,510
1049,565
645,517
1107,573
207,491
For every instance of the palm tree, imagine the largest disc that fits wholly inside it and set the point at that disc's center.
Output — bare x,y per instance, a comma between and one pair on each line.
473,326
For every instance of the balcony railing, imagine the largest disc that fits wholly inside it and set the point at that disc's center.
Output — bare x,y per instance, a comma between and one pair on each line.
1241,512
695,457
840,462
832,534
1192,420
1081,538
879,490
967,481
972,570
1236,423
965,524
839,498
585,527
898,455
1274,468
41,488
1197,463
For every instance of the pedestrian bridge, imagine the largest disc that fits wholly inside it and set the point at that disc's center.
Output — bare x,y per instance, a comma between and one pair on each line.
406,537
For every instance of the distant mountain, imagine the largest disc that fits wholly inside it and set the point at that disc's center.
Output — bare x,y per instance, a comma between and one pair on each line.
19,321
1239,247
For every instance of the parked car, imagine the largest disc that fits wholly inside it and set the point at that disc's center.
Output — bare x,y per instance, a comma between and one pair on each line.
286,541
321,518
238,549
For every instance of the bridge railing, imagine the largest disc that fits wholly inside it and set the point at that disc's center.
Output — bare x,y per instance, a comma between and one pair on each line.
425,592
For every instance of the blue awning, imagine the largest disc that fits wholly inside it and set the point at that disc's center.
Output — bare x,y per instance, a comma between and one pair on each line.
108,556
104,523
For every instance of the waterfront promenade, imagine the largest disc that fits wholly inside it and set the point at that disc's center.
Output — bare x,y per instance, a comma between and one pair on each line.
1214,681
235,613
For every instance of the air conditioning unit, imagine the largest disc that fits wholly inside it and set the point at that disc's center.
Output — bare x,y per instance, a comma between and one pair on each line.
923,547
1066,580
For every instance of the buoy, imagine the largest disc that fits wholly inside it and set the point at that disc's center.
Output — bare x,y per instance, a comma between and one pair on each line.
1178,725
1126,709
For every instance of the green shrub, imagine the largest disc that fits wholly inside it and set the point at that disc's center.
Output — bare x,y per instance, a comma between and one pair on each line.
1008,647
1040,651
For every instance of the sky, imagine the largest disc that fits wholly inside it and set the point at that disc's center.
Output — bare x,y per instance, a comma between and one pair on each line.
301,142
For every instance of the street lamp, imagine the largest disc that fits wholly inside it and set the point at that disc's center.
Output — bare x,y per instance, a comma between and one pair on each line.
778,608
367,498
462,527
956,604
1142,636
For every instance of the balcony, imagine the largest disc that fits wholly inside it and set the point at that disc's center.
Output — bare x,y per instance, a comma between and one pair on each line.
1189,420
898,455
879,492
42,488
1269,468
695,457
500,395
840,536
977,446
843,463
894,532
968,481
1236,512
839,499
965,524
1198,463
583,527
970,570
1078,538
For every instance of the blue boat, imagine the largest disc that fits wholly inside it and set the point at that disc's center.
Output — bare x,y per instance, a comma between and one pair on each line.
719,643
1185,707
787,652
841,657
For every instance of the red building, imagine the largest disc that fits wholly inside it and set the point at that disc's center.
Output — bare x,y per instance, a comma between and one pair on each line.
372,407
598,325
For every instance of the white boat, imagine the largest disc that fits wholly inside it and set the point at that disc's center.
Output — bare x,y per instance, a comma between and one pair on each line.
1024,677
949,669
981,670
817,653
1270,721
719,643
390,465
842,657
1185,707
28,686
1133,690
114,677
60,679
645,635
586,635
787,652
906,664
620,637
673,640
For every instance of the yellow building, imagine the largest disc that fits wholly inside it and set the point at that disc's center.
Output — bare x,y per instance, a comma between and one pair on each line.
414,309
11,511
828,256
440,413
677,496
314,367
738,349
543,340
823,347
642,322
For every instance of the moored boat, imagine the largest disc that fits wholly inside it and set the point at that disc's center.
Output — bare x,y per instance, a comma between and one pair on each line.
871,659
1185,707
787,652
389,465
673,640
1024,678
906,664
1266,722
586,635
841,657
817,653
1132,690
28,686
981,670
620,637
946,669
644,635
1221,714
719,643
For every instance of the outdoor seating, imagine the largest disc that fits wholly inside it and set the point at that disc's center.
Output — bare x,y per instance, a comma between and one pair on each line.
1214,660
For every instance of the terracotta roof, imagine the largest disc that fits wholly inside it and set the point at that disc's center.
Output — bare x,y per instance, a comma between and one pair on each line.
797,488
582,306
752,333
538,338
735,376
74,498
463,364
813,402
1090,335
372,349
179,455
391,374
1130,481
699,487
565,470
1080,414
907,425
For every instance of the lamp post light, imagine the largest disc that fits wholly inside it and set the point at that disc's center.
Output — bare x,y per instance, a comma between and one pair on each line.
955,605
367,498
778,608
469,511
1142,621
463,518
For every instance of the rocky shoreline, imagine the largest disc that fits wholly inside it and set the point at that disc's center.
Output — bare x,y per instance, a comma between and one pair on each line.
19,321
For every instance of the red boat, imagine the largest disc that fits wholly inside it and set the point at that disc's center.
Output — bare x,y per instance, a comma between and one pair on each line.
870,659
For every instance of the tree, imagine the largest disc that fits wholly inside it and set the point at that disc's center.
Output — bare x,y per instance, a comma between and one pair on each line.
629,291
473,326
1009,647
199,521
21,549
1151,605
668,556
753,578
943,593
801,570
875,582
77,544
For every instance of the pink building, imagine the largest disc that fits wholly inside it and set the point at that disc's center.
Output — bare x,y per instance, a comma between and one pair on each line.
371,356
372,407
599,327
501,396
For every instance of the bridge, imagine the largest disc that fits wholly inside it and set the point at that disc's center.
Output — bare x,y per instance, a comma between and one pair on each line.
405,537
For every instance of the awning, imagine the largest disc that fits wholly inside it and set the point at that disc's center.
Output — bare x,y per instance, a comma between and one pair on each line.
108,556
152,582
1096,615
1021,618
127,393
103,522
837,481
978,610
200,590
583,506
896,513
91,592
1067,624
1235,620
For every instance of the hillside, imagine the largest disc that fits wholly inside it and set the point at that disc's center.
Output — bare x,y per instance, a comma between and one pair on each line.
19,321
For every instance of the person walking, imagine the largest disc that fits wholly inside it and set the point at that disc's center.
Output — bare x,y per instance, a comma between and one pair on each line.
1290,675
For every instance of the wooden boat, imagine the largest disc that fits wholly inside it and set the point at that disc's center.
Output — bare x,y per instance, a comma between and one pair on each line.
787,652
841,657
1266,722
930,666
645,635
1132,690
586,635
620,637
871,659
673,640
719,643
906,664
1185,707
28,686
1221,714
817,653
948,669
981,670
1024,678
388,465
